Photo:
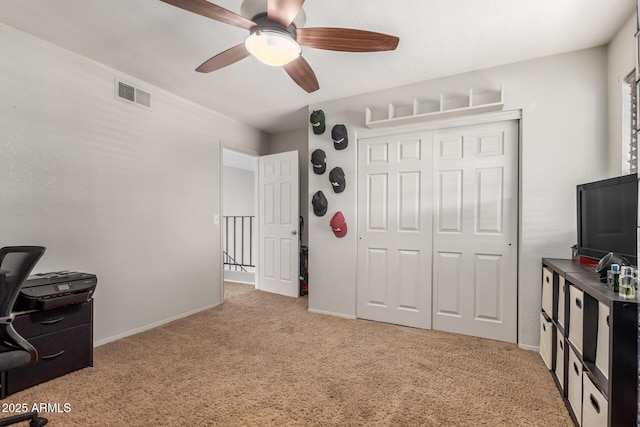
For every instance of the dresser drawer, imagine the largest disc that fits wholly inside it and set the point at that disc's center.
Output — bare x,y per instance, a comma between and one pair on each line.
58,354
37,323
594,406
547,291
561,299
560,346
576,319
574,386
546,339
602,342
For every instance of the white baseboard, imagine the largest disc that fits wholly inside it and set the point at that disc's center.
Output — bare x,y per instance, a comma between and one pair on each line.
248,277
150,326
242,282
329,313
529,347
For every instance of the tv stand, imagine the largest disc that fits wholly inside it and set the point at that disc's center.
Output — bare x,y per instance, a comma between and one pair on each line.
588,340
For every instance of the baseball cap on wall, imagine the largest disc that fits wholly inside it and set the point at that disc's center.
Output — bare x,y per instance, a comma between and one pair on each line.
319,161
340,137
317,122
338,224
338,181
319,203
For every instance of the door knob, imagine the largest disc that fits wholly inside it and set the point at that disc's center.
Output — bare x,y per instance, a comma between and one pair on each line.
294,232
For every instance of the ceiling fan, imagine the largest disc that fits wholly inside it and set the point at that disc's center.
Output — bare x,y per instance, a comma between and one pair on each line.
275,37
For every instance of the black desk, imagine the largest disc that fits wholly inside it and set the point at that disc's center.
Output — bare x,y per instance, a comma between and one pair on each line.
63,338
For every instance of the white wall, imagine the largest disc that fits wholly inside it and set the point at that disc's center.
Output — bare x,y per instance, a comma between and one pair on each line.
238,189
111,188
290,141
563,100
621,56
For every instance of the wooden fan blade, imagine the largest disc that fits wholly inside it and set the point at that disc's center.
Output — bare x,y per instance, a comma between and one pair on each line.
301,73
228,57
283,11
345,39
210,10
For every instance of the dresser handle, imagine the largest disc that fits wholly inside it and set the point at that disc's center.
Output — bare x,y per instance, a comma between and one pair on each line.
594,403
575,368
52,321
578,302
52,356
607,320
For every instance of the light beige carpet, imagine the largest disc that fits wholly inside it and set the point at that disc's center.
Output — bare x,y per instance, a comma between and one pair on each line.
263,360
233,289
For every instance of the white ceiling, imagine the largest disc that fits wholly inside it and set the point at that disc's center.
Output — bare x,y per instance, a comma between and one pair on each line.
162,45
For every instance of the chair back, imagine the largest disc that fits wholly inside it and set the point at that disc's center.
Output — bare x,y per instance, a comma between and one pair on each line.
16,263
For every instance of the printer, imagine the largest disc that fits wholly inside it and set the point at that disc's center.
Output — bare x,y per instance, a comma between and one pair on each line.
45,291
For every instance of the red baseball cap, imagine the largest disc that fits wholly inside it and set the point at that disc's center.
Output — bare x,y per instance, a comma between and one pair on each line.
338,224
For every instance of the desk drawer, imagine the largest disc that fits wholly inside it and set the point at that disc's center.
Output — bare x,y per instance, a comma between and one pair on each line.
58,354
37,323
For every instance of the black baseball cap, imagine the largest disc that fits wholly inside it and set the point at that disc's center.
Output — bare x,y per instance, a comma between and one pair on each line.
317,121
339,137
319,161
338,182
319,203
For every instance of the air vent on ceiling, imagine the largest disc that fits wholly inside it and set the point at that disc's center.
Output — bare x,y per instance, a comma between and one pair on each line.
133,94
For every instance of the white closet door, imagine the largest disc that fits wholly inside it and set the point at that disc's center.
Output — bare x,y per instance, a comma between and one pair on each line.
475,230
394,229
278,212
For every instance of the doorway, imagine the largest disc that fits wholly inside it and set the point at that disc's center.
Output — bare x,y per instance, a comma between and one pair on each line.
260,222
239,221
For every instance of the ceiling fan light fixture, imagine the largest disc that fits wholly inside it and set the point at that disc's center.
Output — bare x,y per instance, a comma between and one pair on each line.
273,47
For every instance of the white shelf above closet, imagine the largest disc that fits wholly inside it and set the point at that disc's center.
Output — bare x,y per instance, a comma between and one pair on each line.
495,103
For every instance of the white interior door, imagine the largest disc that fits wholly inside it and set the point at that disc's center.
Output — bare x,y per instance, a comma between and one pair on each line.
278,213
475,230
394,229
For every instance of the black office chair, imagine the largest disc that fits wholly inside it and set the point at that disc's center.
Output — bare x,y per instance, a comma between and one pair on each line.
16,263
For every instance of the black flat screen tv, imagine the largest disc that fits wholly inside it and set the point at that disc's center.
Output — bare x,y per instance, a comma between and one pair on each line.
608,218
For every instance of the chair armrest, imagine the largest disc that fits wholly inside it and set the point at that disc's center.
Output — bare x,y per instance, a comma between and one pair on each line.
31,416
5,320
3,277
22,342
